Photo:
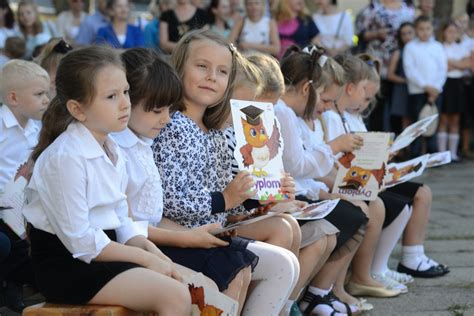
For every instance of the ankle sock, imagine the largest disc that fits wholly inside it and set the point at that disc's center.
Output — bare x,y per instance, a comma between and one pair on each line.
413,257
324,309
453,145
442,138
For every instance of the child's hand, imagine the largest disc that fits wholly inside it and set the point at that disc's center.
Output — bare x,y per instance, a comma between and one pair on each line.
289,207
288,186
346,143
323,195
159,265
201,237
238,190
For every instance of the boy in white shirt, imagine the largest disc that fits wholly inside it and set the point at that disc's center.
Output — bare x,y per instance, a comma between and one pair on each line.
426,67
24,88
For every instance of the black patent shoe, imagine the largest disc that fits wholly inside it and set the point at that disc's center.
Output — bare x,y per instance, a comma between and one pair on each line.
433,272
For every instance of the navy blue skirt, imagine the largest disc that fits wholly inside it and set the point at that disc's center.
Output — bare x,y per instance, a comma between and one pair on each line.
220,264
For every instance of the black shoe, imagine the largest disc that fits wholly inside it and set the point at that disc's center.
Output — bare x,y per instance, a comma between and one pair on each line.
13,297
315,300
432,272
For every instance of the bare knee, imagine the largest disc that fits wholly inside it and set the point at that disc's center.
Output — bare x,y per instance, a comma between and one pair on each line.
424,194
282,233
177,304
318,247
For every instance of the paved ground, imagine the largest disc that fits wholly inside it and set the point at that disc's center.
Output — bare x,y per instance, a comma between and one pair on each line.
450,241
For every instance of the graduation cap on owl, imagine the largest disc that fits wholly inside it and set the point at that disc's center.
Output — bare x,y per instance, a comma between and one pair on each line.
252,114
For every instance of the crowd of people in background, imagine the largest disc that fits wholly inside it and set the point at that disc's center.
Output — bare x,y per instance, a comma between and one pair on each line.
126,121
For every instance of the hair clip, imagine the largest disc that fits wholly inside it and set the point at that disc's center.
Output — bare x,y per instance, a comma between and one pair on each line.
309,49
322,60
310,81
62,47
370,63
232,48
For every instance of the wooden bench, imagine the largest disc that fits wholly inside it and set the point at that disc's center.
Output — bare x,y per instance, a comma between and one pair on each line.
46,309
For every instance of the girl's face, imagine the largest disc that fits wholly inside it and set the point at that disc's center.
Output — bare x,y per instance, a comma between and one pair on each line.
206,73
76,5
223,9
322,3
451,34
328,99
27,15
371,90
355,93
407,33
254,8
296,5
120,10
148,124
109,111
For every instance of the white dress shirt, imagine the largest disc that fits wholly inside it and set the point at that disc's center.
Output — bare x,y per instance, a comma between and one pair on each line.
312,140
328,25
425,64
144,190
299,160
334,125
16,143
355,122
456,51
77,191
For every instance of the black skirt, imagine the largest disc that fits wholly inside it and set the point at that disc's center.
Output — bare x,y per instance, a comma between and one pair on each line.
454,96
220,264
347,217
63,279
406,189
394,205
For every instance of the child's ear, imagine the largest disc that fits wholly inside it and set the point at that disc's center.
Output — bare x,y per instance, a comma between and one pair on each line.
306,87
76,109
350,87
11,98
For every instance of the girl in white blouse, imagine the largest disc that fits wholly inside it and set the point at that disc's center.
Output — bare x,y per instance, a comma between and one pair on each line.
77,210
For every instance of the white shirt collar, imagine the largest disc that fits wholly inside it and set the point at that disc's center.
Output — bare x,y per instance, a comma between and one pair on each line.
89,146
10,121
127,139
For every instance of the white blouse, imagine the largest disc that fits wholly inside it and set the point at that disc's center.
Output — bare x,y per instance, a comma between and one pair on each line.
299,160
355,122
335,125
144,190
456,51
256,32
16,143
77,191
328,27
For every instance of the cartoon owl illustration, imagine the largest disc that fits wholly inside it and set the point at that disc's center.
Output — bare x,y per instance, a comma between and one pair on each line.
357,177
260,147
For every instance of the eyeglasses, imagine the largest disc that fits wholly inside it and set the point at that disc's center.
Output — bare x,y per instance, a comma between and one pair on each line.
62,47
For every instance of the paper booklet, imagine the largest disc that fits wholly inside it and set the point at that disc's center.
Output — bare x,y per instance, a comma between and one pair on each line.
411,133
209,301
259,146
439,159
361,172
13,199
248,220
402,172
316,211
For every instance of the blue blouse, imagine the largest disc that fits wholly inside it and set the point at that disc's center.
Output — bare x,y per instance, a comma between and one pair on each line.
134,37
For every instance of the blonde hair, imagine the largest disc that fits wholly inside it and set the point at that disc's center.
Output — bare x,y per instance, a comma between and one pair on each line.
273,81
248,75
216,114
49,58
334,72
17,74
38,26
282,11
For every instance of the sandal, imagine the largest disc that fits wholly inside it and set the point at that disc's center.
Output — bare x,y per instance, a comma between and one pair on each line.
315,300
349,310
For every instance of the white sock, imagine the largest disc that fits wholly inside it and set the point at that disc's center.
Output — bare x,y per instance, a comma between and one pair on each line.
453,145
413,257
324,309
388,239
442,141
277,272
